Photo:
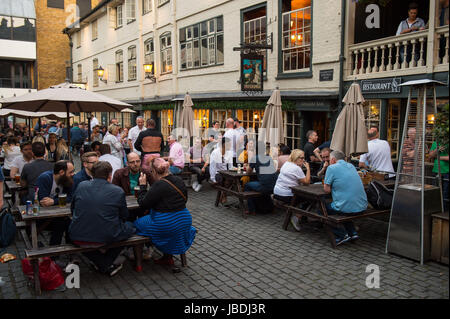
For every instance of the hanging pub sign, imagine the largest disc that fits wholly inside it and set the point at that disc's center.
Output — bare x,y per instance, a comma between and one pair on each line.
252,72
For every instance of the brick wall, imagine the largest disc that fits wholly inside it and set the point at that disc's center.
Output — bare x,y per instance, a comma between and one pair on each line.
53,51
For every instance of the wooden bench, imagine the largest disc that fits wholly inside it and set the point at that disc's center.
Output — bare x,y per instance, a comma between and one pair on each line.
34,254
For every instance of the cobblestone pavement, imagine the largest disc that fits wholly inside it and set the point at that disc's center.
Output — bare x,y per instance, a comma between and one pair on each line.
241,258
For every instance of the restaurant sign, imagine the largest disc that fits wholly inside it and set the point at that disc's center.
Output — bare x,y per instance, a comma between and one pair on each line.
381,85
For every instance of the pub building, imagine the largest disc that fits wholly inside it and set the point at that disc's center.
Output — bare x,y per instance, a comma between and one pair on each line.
375,60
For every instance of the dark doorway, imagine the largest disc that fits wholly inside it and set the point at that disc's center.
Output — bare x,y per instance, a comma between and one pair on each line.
317,121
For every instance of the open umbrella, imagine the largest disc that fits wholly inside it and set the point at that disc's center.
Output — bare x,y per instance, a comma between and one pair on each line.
64,97
350,132
187,115
127,110
272,123
26,115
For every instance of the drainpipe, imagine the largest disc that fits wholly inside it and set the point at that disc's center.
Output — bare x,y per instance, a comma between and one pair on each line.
341,56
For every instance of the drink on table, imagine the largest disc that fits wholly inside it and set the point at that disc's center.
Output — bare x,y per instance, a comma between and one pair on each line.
62,200
36,203
29,207
136,191
17,178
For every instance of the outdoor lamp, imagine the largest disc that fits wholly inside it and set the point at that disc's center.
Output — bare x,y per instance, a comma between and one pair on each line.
148,68
430,118
100,73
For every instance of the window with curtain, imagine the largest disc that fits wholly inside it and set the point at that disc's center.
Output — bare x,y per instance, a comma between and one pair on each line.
95,67
166,52
296,35
131,10
119,66
149,52
132,71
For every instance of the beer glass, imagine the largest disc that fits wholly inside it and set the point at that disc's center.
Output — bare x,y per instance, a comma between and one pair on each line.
62,200
17,178
136,191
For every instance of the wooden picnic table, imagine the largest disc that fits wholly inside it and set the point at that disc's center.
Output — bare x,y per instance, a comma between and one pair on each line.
315,199
235,188
13,188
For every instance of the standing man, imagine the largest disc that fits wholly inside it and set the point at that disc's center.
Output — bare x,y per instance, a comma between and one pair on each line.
134,133
312,158
94,121
85,174
349,197
379,155
231,135
176,156
149,142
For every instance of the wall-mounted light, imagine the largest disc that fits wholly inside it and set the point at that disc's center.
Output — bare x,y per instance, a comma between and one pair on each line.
101,73
149,72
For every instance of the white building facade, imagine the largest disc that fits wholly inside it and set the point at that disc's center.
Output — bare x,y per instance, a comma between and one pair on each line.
189,45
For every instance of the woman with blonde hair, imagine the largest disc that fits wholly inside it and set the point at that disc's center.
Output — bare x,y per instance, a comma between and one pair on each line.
51,146
62,150
115,144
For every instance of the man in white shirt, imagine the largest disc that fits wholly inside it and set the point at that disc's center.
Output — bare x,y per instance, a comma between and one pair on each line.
230,134
240,133
134,133
19,162
105,151
379,155
94,121
221,159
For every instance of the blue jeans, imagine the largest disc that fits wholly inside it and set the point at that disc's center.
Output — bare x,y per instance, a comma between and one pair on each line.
347,228
254,186
175,170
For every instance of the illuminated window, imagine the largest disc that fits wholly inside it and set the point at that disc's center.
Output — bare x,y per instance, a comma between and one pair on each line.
372,113
166,53
166,122
255,29
201,117
132,63
393,127
251,120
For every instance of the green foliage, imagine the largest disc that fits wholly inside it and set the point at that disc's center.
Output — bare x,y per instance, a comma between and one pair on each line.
223,105
440,129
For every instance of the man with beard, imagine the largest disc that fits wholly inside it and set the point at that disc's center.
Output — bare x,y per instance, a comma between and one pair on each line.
50,184
85,174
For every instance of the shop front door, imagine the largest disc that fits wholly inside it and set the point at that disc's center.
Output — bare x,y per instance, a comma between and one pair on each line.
319,122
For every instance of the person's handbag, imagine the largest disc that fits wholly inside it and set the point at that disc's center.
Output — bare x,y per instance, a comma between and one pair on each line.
379,196
50,274
7,228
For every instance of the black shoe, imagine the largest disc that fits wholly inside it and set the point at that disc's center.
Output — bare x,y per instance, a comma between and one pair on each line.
114,269
340,241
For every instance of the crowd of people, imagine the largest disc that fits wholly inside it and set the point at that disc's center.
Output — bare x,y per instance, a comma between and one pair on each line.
137,161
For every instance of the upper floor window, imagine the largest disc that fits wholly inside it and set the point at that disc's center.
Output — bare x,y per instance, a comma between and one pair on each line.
131,10
58,4
79,73
14,28
296,35
132,63
119,16
146,6
201,44
149,52
78,39
16,74
166,52
119,66
255,29
161,2
94,30
94,69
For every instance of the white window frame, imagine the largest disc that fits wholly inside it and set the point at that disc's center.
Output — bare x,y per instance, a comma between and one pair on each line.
94,30
132,68
300,46
119,65
166,53
119,16
162,2
130,7
290,134
149,52
146,6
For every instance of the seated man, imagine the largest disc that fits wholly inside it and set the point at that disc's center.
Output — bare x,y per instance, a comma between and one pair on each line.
379,155
20,161
198,163
266,179
99,218
325,155
88,160
176,156
345,185
105,151
50,184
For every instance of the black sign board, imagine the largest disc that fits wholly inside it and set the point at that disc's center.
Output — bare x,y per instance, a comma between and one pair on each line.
252,72
326,75
390,85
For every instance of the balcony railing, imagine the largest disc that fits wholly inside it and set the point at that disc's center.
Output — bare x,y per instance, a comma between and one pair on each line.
397,55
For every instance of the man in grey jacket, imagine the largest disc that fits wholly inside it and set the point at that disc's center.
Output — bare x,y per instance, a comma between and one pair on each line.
99,218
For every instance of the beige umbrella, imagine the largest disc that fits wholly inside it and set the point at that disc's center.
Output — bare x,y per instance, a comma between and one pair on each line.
350,132
187,115
127,110
273,120
64,97
25,114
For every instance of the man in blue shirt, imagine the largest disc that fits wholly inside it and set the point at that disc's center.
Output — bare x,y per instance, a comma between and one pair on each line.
85,174
349,197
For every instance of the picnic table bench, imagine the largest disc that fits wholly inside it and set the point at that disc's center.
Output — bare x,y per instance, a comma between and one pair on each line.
46,214
235,189
314,198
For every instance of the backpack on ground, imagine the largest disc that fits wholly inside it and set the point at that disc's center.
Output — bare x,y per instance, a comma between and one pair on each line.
7,228
379,196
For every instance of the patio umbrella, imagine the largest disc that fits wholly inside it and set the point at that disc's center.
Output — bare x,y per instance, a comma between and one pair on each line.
350,132
187,115
64,97
127,110
26,115
273,120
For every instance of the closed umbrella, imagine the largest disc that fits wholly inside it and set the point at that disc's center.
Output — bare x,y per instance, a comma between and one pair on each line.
350,132
273,120
64,97
187,115
127,110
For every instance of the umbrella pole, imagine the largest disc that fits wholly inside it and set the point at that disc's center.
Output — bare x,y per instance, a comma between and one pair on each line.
29,128
68,130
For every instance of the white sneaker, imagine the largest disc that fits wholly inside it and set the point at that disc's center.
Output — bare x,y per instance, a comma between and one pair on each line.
296,223
198,188
119,260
